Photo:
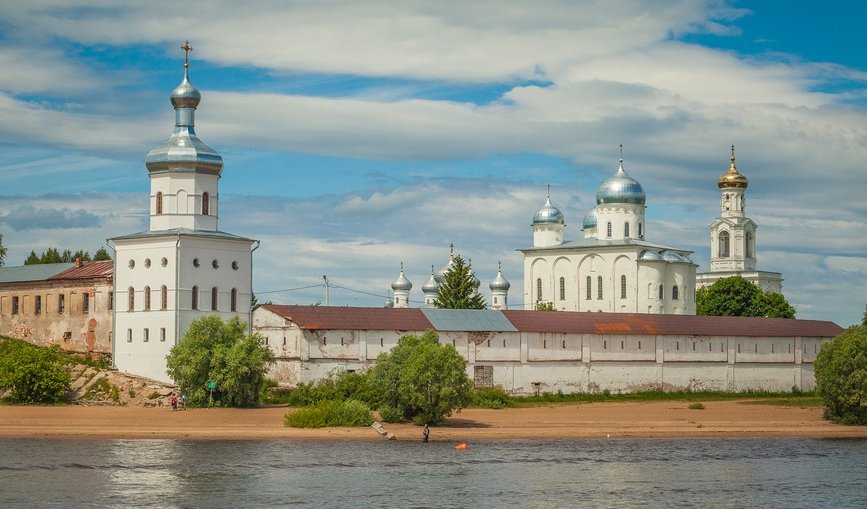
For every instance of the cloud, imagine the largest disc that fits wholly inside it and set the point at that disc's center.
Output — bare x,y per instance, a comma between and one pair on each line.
29,218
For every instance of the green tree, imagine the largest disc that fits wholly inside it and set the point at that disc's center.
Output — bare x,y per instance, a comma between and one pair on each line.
545,306
841,376
735,296
458,289
101,255
32,259
221,352
2,251
420,380
33,374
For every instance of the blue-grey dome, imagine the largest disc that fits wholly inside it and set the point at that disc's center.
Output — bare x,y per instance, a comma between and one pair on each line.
649,256
186,95
620,188
548,214
401,283
590,219
500,283
671,256
431,286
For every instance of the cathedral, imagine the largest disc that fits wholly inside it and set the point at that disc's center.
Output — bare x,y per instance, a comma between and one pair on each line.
613,268
183,267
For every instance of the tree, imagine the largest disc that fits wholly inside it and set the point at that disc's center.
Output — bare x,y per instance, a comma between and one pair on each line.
53,255
735,296
458,289
841,376
34,374
545,306
221,352
101,255
420,380
2,251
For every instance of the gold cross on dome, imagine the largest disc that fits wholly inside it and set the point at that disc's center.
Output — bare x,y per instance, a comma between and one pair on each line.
187,49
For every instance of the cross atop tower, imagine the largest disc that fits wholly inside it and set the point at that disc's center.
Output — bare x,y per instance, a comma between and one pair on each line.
733,153
621,152
187,49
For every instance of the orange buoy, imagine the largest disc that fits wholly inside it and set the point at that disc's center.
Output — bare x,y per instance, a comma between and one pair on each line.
461,446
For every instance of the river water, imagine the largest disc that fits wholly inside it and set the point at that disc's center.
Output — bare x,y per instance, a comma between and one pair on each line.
785,473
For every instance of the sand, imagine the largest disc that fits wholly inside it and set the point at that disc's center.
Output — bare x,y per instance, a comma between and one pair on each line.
671,419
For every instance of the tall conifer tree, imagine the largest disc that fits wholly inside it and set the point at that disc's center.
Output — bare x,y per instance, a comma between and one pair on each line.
458,290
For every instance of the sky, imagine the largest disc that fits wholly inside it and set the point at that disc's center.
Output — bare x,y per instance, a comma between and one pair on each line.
359,135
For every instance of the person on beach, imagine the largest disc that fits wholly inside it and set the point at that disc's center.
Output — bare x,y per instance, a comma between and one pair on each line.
173,401
184,400
425,433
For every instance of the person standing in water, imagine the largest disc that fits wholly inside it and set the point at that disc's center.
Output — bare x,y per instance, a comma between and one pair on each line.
425,433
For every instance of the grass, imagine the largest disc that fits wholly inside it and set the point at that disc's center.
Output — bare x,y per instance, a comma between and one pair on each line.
768,398
330,413
806,400
696,406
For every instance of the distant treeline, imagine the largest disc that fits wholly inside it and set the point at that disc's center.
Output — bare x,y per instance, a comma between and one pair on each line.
53,255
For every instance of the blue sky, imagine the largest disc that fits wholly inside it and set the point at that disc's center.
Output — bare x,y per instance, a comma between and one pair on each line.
357,136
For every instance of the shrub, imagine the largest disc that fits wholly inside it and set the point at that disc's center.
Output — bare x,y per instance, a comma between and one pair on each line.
495,398
338,385
330,413
841,376
696,406
34,374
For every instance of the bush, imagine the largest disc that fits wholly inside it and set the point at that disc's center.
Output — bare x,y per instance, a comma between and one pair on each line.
841,376
34,374
494,398
338,385
696,406
330,413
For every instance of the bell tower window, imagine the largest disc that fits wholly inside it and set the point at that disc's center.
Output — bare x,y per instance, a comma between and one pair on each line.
159,203
724,244
749,246
206,203
626,230
609,229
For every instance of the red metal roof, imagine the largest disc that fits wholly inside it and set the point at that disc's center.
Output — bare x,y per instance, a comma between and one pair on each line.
651,324
353,318
87,270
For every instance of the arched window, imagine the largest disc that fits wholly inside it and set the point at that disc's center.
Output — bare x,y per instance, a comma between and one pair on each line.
609,228
626,230
195,304
159,204
623,286
640,232
749,250
130,292
164,297
599,287
674,295
661,293
147,298
235,299
589,291
206,203
562,288
214,298
724,244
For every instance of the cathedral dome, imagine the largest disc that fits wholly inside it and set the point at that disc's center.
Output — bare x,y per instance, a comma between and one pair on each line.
649,256
186,95
500,283
401,283
672,257
548,214
590,220
733,178
431,286
620,188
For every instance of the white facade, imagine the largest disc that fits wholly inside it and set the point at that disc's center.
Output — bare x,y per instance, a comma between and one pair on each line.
183,267
733,237
612,269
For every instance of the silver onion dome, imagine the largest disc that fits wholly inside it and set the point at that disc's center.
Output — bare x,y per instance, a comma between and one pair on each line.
499,282
431,286
620,188
590,219
401,283
184,151
649,256
441,275
672,257
548,214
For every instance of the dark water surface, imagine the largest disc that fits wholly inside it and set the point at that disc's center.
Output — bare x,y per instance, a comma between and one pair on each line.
784,473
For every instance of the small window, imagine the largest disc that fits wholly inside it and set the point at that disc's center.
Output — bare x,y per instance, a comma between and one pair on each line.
674,295
723,244
504,343
605,345
599,287
159,203
110,301
146,335
622,345
639,344
564,343
693,346
130,292
538,289
324,340
495,299
206,203
381,341
67,335
749,249
214,298
37,305
489,343
61,303
661,292
284,341
756,349
626,230
129,335
234,299
147,263
131,264
215,264
609,229
15,305
544,343
164,298
85,302
162,334
589,290
195,297
623,286
640,233
147,298
677,345
164,261
562,288
195,262
234,265
341,341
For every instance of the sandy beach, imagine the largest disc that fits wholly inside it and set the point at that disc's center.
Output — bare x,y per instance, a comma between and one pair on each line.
670,419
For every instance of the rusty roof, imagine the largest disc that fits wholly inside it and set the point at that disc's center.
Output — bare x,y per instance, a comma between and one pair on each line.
653,324
87,270
353,318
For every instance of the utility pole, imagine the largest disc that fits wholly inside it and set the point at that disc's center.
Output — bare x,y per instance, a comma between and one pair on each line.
326,288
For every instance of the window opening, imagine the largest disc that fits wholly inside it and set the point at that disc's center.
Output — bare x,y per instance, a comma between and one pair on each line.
538,289
146,336
626,230
61,303
206,203
599,287
674,295
214,298
724,244
562,288
164,297
159,204
37,304
129,335
623,286
589,290
162,333
85,302
130,298
195,297
147,298
234,299
609,229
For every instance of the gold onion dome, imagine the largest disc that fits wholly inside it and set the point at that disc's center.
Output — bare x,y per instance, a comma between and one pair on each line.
733,178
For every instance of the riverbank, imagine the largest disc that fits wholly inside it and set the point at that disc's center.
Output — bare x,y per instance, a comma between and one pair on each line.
665,419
